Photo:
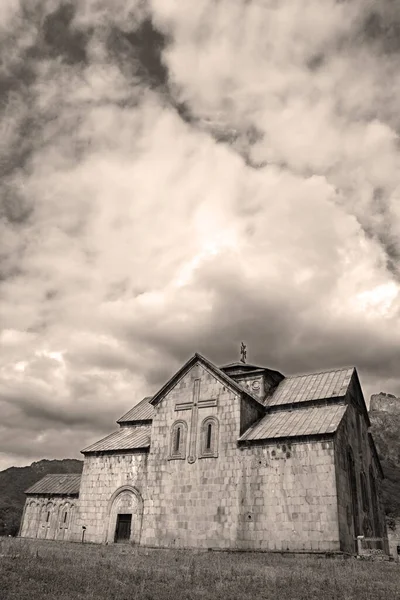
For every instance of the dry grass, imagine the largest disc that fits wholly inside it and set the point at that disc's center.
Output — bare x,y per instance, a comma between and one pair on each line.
38,570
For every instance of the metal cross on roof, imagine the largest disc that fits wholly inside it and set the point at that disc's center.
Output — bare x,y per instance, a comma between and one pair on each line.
243,352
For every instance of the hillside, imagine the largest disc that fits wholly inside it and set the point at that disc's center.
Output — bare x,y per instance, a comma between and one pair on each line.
15,480
385,427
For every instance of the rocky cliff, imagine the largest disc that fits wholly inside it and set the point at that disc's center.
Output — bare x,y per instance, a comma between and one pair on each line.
385,427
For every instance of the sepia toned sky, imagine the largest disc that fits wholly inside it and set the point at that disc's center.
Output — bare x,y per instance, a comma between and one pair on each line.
178,177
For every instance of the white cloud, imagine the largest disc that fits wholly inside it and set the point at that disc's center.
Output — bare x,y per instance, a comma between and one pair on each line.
132,239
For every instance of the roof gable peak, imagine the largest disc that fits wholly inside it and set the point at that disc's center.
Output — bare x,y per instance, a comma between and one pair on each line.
205,362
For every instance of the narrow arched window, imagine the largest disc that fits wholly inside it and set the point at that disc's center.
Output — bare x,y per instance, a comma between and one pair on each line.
47,512
209,437
178,440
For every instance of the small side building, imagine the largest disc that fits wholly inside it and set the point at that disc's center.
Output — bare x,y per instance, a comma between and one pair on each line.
50,508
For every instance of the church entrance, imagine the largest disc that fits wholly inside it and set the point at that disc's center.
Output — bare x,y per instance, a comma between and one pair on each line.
124,516
123,528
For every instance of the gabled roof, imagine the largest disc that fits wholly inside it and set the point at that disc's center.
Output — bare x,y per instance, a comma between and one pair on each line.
214,369
143,411
311,421
126,438
59,485
315,386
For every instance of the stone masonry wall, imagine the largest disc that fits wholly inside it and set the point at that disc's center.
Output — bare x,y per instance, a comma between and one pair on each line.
249,414
274,497
287,497
49,517
394,539
103,477
253,383
194,504
353,433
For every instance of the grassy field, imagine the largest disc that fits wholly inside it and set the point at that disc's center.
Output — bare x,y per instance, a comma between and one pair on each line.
38,570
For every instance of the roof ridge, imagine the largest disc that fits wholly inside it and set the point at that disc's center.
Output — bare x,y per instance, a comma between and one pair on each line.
319,372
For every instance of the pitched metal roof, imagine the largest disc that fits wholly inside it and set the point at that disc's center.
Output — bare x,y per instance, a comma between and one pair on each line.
126,438
316,420
143,411
62,485
315,386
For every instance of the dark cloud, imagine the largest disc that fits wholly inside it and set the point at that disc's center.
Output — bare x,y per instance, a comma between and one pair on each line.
14,206
140,51
61,38
21,75
316,61
382,26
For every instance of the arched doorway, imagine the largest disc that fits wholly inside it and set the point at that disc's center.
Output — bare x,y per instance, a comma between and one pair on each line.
125,516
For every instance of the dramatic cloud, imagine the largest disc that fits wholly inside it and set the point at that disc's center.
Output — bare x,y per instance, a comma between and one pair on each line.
181,176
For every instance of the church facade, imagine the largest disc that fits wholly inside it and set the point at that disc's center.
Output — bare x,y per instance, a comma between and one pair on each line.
233,457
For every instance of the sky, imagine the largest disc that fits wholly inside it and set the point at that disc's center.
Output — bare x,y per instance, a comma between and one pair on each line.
177,177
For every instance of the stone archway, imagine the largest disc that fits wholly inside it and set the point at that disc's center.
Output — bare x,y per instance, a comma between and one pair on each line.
31,519
126,505
65,520
47,525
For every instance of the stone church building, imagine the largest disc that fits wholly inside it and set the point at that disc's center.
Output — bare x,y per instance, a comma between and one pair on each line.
232,457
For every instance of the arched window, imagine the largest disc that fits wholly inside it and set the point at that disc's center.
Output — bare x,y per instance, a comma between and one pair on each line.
47,512
178,440
64,516
209,437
